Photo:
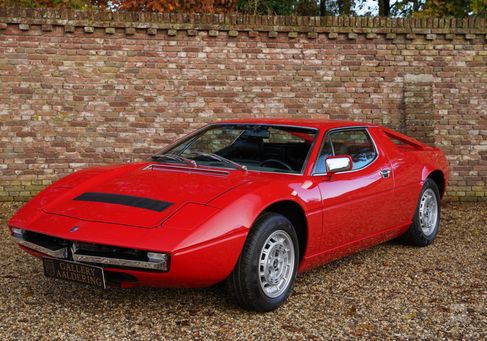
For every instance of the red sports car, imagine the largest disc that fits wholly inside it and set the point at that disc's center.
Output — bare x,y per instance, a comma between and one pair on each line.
250,202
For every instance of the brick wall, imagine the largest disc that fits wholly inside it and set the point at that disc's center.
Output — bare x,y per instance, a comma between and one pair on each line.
83,88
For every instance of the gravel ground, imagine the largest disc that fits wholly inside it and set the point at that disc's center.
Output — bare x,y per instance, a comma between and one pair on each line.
387,292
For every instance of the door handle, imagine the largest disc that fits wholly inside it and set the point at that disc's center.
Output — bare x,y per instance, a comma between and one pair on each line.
385,173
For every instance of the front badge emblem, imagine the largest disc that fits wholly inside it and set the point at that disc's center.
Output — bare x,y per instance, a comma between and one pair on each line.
74,228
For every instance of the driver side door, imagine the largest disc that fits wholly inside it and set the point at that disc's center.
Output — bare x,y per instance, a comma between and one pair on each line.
356,203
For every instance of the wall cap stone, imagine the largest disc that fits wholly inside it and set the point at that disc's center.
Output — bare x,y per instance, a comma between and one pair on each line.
432,28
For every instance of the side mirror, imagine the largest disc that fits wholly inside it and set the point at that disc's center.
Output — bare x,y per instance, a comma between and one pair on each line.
338,163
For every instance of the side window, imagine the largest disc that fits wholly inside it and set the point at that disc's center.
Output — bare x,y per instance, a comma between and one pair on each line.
355,143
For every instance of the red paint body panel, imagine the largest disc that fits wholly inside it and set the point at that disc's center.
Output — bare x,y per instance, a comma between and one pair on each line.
359,200
153,183
212,210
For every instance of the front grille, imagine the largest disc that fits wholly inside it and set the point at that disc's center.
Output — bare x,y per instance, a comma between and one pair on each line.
45,240
109,251
102,255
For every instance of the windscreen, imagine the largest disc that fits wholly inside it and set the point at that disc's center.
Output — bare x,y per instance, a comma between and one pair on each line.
257,147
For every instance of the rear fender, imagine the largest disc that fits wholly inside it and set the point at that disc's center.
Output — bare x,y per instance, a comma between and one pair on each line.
435,161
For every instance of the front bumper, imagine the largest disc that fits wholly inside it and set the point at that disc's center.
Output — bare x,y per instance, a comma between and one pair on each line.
201,262
91,253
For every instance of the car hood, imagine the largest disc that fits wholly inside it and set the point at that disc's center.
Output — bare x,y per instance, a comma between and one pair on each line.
143,196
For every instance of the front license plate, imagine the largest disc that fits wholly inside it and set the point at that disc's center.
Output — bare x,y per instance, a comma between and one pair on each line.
75,272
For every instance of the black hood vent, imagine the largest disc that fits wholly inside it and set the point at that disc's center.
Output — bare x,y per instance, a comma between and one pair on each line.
125,200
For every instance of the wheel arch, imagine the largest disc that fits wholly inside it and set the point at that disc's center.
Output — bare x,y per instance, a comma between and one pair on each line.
439,178
295,213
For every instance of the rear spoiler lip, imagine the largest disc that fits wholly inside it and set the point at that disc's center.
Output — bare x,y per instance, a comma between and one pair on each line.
408,140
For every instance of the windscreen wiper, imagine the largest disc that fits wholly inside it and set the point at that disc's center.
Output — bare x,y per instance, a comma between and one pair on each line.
174,157
223,160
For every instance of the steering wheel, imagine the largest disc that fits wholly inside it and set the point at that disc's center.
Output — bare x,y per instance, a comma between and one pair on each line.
278,162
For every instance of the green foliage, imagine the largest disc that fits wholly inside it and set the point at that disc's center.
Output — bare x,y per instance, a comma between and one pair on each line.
439,8
74,4
403,8
295,7
307,7
479,8
328,7
266,7
406,8
451,8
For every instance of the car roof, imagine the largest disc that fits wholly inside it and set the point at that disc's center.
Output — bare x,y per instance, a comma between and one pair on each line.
301,122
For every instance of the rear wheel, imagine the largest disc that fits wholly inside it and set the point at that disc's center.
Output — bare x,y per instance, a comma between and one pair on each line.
266,270
426,219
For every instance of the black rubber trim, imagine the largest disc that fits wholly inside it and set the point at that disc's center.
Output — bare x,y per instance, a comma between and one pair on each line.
126,200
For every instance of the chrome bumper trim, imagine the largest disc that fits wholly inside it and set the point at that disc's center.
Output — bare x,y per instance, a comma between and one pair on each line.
59,253
62,253
162,266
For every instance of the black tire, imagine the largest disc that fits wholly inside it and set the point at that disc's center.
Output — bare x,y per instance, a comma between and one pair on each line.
415,235
244,283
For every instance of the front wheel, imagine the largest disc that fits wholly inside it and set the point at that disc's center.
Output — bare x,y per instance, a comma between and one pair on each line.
426,219
265,273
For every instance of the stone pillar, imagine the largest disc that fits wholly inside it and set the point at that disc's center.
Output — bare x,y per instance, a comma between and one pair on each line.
419,119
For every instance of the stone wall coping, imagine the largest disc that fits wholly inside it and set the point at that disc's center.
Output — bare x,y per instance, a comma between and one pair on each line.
242,23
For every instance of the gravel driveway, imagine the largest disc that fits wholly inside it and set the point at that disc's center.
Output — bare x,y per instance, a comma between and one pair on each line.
388,292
